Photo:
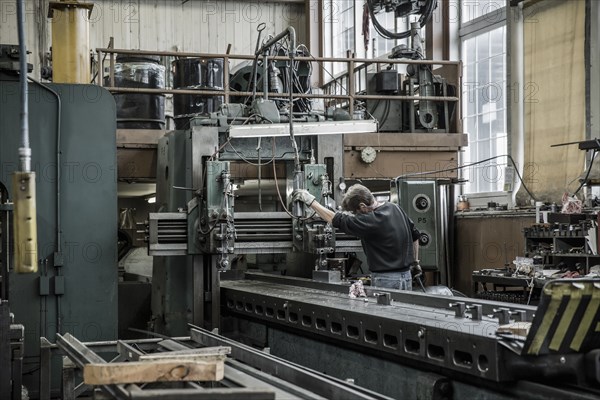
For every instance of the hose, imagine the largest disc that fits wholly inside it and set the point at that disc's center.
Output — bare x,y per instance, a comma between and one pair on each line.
425,17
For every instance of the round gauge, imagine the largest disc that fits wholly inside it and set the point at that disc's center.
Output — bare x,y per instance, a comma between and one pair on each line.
342,186
368,154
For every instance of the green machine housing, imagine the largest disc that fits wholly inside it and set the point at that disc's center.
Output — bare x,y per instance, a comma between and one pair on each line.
75,289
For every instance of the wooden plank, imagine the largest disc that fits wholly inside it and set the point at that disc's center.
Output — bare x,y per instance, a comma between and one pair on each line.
183,357
516,328
389,164
155,371
139,136
209,351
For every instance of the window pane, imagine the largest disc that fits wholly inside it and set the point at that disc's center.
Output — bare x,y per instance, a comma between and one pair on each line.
499,125
472,9
483,184
484,107
470,73
469,51
497,41
340,25
483,46
493,93
471,126
470,101
483,73
501,148
497,68
382,45
473,152
483,126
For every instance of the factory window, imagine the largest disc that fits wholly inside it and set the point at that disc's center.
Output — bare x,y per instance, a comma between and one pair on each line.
340,34
473,9
380,46
483,40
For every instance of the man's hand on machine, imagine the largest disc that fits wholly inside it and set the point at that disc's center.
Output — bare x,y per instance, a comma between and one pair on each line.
415,270
304,196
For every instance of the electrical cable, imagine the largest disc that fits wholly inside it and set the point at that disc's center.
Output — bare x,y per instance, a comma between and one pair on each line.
216,220
248,161
277,184
423,19
530,285
470,165
58,194
388,106
325,70
587,175
279,192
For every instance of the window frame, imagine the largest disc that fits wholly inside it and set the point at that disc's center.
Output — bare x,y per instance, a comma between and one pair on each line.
469,30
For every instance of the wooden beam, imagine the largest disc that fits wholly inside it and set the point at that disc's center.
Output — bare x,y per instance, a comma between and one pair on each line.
152,371
380,140
139,136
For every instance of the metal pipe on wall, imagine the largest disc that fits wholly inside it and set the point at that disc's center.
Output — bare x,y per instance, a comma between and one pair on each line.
24,150
24,194
516,79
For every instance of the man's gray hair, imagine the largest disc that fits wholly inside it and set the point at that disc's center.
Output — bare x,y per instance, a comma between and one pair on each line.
355,195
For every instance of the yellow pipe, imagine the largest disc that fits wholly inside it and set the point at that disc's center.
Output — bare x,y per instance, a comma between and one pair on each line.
70,41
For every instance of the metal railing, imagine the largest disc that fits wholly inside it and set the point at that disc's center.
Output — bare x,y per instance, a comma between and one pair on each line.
354,66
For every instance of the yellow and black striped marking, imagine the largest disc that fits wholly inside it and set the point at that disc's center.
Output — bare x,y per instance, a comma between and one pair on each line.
567,319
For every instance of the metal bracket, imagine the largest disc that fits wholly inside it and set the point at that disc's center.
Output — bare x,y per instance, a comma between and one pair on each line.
385,299
460,308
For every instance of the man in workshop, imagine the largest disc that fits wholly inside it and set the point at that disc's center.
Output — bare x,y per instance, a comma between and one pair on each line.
389,238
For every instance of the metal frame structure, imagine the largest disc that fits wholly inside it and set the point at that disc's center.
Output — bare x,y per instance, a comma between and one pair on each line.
249,373
12,351
354,66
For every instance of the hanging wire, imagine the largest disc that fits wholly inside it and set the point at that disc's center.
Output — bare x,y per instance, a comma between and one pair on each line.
587,174
470,165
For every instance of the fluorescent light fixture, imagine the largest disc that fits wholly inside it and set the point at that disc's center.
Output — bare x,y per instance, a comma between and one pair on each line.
303,129
151,200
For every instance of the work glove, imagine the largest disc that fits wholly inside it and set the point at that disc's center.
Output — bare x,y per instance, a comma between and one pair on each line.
304,196
415,270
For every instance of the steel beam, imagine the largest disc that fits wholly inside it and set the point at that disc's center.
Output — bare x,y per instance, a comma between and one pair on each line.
417,298
319,383
437,337
210,394
82,355
242,381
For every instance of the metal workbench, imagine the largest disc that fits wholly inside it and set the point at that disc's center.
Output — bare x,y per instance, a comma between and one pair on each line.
249,373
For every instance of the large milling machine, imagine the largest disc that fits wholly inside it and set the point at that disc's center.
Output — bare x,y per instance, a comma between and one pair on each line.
266,272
